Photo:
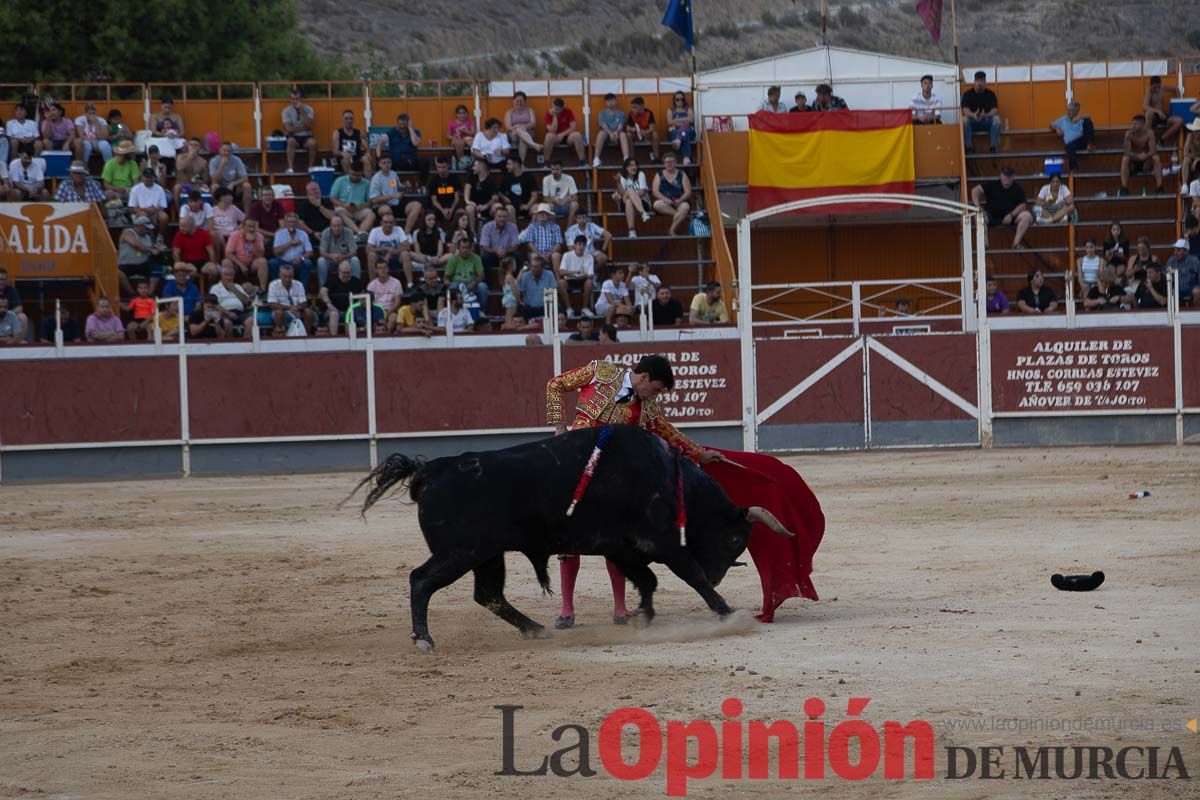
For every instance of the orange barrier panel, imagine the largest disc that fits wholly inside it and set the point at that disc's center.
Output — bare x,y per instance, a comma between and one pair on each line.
1092,94
58,240
1125,96
720,245
937,150
730,156
429,104
328,100
128,98
1049,103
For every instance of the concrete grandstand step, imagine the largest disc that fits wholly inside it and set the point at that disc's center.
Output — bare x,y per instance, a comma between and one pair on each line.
1037,237
1093,209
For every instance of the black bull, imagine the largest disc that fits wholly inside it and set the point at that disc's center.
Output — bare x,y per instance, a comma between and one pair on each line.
475,507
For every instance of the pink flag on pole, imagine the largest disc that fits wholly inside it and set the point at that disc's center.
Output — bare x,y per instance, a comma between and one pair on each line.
930,12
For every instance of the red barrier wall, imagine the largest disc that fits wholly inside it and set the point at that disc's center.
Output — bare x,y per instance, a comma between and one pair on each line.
783,363
1191,372
898,396
89,400
1049,371
277,395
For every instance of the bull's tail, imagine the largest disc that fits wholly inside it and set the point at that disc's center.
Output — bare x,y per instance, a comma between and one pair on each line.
397,469
540,562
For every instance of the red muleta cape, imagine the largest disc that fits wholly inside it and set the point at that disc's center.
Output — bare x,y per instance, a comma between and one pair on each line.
784,564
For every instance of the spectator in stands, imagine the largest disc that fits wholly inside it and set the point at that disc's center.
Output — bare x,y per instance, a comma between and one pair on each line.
402,143
414,316
665,310
387,292
464,272
1190,161
246,251
997,303
66,322
614,296
207,322
287,302
227,171
1036,297
482,194
1116,244
3,149
561,128
23,133
429,242
1151,292
298,126
156,164
926,106
167,322
499,240
1142,258
200,212
681,126
349,145
91,135
454,315
672,193
388,245
598,239
490,144
633,194
58,132
707,306
560,191
226,218
585,333
103,325
1187,272
166,122
351,194
9,292
643,284
576,271
118,131
1055,202
191,170
461,133
150,200
80,188
5,186
1087,267
333,301
194,246
268,213
608,334
183,287
234,301
1105,294
543,237
612,130
444,191
139,256
432,288
518,189
772,103
141,308
27,179
640,126
1157,109
980,112
293,246
827,100
1005,203
315,211
1140,155
802,105
337,246
521,126
10,326
1077,133
531,286
387,190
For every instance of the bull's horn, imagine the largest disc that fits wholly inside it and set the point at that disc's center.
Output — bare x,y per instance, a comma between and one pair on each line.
760,514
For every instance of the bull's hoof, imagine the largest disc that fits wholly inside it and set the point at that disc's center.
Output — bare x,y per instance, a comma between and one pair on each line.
562,623
536,633
424,643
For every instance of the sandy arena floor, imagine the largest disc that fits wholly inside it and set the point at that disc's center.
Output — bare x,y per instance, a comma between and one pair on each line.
241,638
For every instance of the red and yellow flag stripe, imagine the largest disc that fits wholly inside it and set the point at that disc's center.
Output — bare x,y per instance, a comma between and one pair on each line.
819,154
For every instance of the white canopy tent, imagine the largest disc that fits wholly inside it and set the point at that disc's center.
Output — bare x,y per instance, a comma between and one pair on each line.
864,80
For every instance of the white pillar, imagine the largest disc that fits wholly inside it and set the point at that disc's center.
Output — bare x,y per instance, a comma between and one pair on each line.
743,285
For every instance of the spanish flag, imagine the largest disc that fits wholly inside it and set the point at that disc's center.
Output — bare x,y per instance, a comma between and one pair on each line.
823,153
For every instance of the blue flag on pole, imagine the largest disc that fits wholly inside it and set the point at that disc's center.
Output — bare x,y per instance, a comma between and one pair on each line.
679,19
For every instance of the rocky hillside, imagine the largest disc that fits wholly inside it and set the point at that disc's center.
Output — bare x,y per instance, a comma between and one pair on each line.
471,38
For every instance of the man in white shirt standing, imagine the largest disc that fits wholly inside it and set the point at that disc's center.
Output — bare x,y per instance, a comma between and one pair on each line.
150,200
926,106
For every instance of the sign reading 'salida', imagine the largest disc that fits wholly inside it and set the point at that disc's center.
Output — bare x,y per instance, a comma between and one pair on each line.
39,240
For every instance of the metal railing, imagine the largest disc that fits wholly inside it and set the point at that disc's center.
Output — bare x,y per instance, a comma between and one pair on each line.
855,297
